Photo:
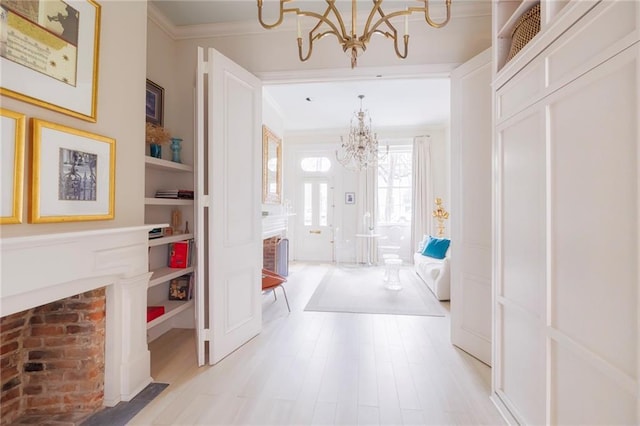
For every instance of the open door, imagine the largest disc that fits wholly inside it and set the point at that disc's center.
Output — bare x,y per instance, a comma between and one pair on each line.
471,206
229,233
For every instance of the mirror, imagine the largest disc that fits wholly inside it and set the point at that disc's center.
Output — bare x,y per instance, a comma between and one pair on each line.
271,167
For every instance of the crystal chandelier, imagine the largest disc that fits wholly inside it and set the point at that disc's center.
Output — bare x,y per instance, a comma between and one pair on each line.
361,148
378,22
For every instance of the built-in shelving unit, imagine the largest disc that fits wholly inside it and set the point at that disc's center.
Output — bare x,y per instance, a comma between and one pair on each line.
506,14
163,174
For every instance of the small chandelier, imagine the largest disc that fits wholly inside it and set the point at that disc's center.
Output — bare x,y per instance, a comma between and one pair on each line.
361,148
353,44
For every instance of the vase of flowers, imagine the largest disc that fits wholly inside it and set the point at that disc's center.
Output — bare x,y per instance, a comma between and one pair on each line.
156,136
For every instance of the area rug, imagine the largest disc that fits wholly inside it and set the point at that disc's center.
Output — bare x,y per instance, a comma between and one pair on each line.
362,290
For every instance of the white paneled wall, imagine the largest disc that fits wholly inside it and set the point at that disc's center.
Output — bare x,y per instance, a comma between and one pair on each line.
567,288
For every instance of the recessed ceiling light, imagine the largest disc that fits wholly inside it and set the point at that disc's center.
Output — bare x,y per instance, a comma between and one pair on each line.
308,99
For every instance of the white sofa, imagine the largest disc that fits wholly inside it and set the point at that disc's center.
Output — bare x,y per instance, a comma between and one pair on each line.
435,273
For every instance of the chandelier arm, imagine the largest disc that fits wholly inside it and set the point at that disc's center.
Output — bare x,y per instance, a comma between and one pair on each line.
283,10
428,18
406,46
376,8
323,19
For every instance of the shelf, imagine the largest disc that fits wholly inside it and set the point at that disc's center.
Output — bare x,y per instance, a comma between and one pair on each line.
507,28
165,274
170,166
167,202
171,309
171,239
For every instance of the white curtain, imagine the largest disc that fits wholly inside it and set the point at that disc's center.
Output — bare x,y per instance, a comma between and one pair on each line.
422,189
367,214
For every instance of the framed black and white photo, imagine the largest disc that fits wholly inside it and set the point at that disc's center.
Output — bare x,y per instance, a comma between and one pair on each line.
349,197
72,174
154,103
49,54
12,140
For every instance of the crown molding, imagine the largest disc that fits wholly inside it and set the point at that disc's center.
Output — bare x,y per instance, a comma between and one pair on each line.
158,18
460,10
360,73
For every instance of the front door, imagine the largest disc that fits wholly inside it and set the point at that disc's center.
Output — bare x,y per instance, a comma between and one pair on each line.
314,220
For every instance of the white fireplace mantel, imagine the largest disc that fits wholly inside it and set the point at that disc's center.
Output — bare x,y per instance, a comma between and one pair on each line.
35,270
275,225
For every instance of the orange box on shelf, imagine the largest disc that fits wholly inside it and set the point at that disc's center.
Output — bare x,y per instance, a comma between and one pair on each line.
154,312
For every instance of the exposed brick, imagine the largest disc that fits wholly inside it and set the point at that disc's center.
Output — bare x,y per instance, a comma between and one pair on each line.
63,341
11,383
83,352
47,330
36,319
76,329
12,335
9,347
49,307
33,389
65,387
65,317
76,375
10,395
62,364
32,342
33,366
52,361
9,411
34,401
13,324
95,316
53,354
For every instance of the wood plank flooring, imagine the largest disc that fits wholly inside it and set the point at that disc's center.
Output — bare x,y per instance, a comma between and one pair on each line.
320,368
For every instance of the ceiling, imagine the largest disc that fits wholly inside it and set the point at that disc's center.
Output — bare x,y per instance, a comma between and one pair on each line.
390,102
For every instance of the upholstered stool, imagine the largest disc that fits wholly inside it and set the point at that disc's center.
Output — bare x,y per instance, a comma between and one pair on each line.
393,274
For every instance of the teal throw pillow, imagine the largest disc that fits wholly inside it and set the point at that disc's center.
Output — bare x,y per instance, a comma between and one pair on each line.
436,248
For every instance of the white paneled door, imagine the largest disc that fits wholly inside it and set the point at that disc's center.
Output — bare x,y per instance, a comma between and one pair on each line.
229,203
471,207
315,231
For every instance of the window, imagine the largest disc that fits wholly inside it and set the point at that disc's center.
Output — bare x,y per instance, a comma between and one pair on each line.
394,186
315,164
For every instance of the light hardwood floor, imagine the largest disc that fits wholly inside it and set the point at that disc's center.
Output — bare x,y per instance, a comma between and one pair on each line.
320,368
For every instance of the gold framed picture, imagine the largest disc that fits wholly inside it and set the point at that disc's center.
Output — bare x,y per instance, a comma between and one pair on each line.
12,140
72,174
49,54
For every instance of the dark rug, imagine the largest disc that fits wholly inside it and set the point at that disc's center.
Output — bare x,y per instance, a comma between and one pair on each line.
126,410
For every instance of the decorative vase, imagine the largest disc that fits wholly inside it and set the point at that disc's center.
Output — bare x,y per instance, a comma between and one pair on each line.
175,149
155,149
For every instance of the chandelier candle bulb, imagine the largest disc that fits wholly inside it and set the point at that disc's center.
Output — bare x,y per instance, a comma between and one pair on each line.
299,29
406,23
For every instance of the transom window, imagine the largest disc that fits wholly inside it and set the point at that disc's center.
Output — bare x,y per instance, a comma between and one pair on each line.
315,164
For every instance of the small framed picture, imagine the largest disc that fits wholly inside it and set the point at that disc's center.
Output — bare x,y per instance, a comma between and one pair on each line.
349,197
154,103
72,174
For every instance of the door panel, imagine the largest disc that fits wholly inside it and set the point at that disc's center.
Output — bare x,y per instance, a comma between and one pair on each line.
231,240
315,230
471,207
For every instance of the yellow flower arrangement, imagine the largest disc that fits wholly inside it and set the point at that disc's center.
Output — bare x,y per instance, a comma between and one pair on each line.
156,134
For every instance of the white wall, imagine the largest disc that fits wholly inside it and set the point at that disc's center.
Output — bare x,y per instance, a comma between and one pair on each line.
120,115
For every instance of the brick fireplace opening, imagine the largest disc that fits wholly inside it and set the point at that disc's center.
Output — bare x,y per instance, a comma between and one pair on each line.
52,359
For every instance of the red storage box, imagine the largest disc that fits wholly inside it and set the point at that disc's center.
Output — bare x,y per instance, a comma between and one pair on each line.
154,312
